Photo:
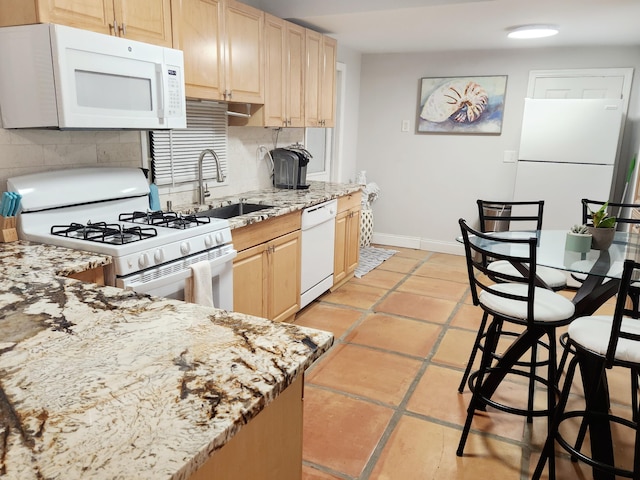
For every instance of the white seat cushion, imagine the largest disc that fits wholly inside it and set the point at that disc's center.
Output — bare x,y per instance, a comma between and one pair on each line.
549,306
594,332
552,277
585,265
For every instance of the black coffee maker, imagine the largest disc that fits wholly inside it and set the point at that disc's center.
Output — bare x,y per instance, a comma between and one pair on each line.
290,167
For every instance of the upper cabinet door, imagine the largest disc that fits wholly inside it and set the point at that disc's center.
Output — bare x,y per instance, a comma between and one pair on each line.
144,20
244,53
95,15
197,31
294,74
328,81
275,72
312,78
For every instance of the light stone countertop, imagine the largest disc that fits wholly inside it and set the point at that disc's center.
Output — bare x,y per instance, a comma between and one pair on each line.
283,201
103,383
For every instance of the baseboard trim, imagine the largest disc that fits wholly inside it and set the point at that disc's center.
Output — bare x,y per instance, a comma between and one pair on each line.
439,246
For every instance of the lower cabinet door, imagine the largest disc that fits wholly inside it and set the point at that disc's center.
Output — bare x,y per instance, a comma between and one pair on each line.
284,276
249,275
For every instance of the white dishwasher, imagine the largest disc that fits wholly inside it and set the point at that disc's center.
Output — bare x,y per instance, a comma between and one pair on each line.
318,238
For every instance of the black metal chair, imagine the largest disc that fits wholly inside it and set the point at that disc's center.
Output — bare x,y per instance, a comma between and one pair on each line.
498,216
598,343
515,299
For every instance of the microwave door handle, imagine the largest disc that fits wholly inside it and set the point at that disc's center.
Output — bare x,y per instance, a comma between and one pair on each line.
159,72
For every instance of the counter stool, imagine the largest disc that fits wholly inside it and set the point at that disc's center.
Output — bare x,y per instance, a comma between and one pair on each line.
598,343
498,216
517,300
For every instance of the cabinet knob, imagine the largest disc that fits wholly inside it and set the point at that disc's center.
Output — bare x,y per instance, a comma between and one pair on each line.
123,29
113,27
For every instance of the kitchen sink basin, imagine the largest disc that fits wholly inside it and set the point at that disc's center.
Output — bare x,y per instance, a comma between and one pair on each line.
233,210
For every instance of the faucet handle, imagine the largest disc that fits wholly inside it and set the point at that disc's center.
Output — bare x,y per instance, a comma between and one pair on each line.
206,193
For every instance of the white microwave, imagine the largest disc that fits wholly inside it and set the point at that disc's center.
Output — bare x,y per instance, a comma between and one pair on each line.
54,76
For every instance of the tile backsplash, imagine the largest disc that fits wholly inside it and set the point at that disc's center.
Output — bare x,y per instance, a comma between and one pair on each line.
24,151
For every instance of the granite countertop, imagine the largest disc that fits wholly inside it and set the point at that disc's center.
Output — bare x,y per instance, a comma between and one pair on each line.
283,201
99,382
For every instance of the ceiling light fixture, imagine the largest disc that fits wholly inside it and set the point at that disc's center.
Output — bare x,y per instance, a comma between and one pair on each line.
533,31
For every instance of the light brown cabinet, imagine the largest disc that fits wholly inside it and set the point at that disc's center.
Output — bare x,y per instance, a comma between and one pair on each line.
347,240
269,447
284,68
93,275
266,272
223,49
320,80
284,77
143,20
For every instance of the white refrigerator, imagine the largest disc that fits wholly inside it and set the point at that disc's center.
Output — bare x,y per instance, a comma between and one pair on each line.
567,152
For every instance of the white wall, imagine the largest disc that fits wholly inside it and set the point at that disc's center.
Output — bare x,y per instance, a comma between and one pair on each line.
351,105
428,181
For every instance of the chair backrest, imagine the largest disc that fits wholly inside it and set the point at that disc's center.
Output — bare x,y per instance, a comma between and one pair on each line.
497,216
618,210
630,275
518,251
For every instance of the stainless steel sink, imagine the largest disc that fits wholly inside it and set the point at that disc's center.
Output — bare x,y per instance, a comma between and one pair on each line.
233,210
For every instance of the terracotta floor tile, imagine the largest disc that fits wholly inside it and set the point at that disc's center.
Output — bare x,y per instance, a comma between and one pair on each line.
420,450
434,287
467,316
380,278
406,336
369,373
411,253
310,473
436,396
417,306
385,325
340,432
447,259
453,273
455,347
399,264
333,318
355,295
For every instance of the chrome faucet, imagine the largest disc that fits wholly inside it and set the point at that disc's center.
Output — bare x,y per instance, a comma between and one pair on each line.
203,192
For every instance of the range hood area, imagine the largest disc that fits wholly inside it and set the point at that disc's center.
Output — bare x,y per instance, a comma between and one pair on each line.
54,76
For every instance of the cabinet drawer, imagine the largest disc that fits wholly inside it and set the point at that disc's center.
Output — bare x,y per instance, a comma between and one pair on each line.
257,233
349,201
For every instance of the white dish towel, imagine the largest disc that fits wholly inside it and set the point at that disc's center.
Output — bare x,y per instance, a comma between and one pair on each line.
198,288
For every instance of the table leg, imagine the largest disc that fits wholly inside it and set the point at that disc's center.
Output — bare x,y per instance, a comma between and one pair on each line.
597,400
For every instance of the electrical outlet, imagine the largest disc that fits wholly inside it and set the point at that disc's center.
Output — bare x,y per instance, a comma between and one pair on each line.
405,125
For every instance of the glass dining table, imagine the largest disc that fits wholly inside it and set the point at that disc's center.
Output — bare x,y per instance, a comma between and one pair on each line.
598,273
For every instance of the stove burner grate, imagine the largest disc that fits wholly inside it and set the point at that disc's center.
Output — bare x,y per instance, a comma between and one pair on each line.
102,232
164,219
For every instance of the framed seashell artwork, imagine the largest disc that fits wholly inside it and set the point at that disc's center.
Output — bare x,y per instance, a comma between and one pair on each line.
462,104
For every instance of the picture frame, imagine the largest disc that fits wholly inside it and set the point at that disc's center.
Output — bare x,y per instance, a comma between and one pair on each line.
462,105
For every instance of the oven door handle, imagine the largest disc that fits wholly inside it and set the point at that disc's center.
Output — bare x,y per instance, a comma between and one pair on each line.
134,281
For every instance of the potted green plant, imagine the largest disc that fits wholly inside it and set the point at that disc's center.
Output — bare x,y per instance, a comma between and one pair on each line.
579,239
603,229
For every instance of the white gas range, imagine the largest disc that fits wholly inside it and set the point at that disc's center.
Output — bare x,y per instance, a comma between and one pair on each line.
106,210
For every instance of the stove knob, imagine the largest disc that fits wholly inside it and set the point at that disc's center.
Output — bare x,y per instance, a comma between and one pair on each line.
159,256
208,241
143,260
219,238
185,248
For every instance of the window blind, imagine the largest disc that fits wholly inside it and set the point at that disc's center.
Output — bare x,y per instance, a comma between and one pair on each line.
174,153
